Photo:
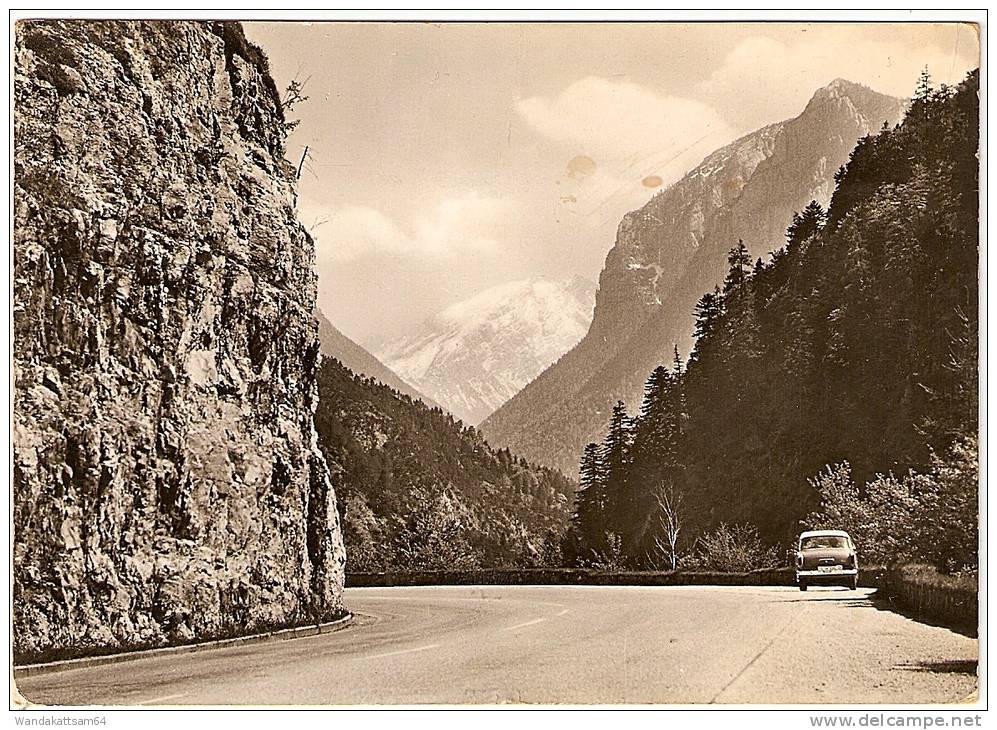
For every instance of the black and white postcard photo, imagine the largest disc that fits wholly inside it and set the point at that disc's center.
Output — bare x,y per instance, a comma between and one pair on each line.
496,360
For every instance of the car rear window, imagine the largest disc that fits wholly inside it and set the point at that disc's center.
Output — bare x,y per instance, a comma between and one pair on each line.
823,541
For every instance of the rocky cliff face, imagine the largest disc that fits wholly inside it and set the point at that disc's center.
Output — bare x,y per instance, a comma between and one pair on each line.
671,251
167,482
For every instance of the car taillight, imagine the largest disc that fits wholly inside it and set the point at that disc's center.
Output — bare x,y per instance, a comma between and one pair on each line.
799,559
851,560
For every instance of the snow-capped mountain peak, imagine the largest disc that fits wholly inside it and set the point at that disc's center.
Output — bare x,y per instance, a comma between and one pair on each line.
477,353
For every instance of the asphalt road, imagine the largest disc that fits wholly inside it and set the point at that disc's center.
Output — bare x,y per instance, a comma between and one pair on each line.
562,644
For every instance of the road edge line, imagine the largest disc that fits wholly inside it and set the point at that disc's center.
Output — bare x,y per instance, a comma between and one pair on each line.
297,632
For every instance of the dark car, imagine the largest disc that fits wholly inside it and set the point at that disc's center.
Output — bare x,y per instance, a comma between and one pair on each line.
827,557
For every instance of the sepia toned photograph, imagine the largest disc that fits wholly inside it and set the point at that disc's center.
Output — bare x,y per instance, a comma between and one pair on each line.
413,361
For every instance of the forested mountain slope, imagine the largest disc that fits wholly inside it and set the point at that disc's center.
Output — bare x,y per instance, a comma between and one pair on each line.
855,343
420,490
337,345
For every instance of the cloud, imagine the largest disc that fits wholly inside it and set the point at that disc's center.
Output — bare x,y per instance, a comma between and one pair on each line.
622,122
763,80
382,272
616,134
456,226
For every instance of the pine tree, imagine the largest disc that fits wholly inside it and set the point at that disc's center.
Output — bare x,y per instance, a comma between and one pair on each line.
738,267
616,449
806,224
616,452
920,105
654,392
590,501
922,92
709,310
656,456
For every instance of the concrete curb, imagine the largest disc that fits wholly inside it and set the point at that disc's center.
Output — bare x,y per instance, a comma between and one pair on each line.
26,670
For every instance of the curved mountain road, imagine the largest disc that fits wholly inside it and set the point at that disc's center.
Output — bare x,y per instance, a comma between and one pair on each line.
562,644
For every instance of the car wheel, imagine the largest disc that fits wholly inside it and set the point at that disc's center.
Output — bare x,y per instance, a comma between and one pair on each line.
803,586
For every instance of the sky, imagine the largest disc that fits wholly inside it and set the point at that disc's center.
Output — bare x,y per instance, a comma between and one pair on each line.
448,158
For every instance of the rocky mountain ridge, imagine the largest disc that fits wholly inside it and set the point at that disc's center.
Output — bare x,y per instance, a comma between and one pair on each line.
671,251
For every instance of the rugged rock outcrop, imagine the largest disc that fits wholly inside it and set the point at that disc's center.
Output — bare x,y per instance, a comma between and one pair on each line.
671,251
167,480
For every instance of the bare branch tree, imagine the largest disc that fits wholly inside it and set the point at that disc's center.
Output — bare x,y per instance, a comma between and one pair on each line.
670,519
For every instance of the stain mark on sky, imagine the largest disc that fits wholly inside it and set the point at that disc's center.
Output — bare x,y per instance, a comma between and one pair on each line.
581,166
